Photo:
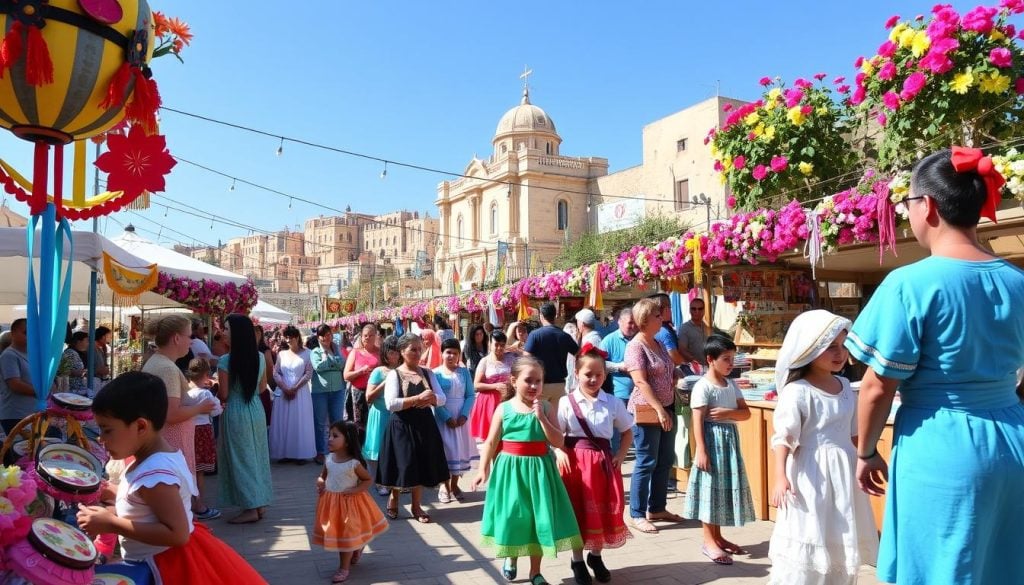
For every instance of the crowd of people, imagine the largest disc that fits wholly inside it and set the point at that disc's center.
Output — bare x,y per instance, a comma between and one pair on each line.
547,416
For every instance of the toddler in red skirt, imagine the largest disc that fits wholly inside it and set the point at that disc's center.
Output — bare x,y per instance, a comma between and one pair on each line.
199,384
153,510
591,472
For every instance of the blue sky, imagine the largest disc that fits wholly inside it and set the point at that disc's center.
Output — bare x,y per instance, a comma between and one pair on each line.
426,82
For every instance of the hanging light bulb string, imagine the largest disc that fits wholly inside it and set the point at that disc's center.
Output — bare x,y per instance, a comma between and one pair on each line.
384,173
280,147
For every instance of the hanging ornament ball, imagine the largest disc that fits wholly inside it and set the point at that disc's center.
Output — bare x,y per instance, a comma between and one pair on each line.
69,69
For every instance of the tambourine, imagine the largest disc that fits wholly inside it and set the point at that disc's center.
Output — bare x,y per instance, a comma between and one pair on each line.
71,401
69,473
55,553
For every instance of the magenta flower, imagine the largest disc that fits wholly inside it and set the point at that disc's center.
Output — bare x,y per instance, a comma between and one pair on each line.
819,76
937,63
779,163
726,107
1019,86
766,81
839,80
892,21
882,119
858,62
1013,6
1000,57
979,19
793,97
760,172
944,46
1010,31
913,85
891,100
843,89
739,162
887,49
730,201
802,83
888,71
858,96
806,110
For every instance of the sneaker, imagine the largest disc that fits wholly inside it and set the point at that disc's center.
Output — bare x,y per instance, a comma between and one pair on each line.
601,572
209,514
580,573
383,491
443,496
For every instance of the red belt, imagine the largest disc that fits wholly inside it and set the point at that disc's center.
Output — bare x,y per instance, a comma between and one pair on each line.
529,448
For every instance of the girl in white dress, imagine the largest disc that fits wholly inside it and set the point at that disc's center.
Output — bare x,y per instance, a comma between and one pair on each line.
453,417
824,530
292,437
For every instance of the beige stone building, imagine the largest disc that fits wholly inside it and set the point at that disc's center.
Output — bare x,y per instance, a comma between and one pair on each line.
526,194
677,167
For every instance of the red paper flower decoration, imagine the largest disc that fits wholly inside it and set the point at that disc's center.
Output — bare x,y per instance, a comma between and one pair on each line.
135,162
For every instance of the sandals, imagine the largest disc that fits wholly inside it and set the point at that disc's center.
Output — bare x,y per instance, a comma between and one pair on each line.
509,569
538,579
720,559
644,525
735,549
356,555
665,516
421,517
392,513
340,576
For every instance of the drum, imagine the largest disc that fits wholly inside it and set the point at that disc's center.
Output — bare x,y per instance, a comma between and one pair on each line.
55,553
69,469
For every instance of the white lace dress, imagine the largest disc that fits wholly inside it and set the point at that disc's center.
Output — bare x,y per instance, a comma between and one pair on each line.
827,529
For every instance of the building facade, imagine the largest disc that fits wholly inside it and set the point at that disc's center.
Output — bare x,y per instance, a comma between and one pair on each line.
526,195
677,168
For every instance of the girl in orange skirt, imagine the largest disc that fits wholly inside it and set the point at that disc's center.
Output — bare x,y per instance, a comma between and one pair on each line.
589,469
347,518
153,507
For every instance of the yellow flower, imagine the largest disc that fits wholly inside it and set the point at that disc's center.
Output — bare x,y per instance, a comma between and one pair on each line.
962,82
996,35
806,168
759,129
907,37
721,179
796,117
714,150
727,163
6,507
920,43
894,34
773,97
868,66
751,118
822,111
769,134
994,82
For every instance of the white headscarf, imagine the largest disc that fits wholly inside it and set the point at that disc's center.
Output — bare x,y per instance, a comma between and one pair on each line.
808,337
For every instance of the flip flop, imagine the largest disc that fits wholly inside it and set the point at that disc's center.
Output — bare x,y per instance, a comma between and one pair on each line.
722,559
644,525
392,513
340,576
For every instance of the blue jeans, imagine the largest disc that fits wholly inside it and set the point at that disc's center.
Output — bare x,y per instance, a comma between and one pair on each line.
327,408
655,450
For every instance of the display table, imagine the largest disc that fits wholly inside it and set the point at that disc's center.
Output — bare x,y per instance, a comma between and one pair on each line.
755,435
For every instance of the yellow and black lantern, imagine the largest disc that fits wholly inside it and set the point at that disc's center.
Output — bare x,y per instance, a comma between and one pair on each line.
72,68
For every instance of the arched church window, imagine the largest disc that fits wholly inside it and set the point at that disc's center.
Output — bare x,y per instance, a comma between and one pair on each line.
562,214
494,218
459,231
547,148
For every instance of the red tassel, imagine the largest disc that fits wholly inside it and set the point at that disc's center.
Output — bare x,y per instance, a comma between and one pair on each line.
886,217
11,48
145,102
38,66
118,87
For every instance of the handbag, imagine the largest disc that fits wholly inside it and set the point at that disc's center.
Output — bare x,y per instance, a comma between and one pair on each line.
645,414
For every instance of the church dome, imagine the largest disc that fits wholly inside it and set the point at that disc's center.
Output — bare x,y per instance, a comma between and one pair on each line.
525,118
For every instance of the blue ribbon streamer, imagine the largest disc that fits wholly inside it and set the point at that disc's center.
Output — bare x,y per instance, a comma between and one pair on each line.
49,303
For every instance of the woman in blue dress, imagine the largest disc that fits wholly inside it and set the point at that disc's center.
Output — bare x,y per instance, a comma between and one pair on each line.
243,454
948,333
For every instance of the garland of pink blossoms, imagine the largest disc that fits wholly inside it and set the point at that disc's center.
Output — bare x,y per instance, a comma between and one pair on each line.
17,491
208,297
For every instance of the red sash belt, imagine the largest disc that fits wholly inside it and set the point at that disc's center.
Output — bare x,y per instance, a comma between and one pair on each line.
529,448
596,444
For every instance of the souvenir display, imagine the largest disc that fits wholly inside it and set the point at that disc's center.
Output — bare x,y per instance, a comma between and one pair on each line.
68,473
55,553
72,401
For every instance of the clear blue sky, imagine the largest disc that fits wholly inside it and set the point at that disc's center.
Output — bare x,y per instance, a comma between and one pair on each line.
426,82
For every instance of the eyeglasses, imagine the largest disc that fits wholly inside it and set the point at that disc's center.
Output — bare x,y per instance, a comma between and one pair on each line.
905,199
692,309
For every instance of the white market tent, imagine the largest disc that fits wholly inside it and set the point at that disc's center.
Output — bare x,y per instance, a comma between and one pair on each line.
267,313
171,262
88,248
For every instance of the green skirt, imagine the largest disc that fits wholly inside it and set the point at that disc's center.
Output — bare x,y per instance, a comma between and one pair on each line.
527,511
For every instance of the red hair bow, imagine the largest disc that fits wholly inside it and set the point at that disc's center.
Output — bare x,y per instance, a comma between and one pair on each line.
590,348
973,159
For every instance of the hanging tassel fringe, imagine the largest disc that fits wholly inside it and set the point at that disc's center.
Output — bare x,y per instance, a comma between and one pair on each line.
812,247
12,47
118,87
145,102
38,65
886,213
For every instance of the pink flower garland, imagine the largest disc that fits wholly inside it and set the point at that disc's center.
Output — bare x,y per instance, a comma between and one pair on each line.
207,297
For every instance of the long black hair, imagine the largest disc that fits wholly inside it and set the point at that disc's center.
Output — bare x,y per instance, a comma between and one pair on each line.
350,431
244,366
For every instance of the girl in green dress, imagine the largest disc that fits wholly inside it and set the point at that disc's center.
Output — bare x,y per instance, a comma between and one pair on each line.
527,511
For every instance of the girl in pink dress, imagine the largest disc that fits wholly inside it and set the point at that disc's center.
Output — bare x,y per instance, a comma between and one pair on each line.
491,384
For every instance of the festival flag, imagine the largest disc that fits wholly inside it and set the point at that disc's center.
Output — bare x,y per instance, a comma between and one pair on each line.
455,279
483,271
596,300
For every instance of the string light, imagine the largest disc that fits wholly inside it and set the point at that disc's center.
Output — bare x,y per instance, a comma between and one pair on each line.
232,187
211,222
289,203
280,147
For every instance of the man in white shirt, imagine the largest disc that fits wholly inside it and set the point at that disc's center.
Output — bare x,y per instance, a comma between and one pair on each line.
587,323
198,345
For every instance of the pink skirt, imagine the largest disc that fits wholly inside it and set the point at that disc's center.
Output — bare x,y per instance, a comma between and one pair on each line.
487,402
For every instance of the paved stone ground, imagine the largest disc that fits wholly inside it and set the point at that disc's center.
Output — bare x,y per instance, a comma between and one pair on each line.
447,551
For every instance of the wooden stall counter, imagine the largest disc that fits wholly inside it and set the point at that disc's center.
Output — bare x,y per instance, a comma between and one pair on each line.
755,443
